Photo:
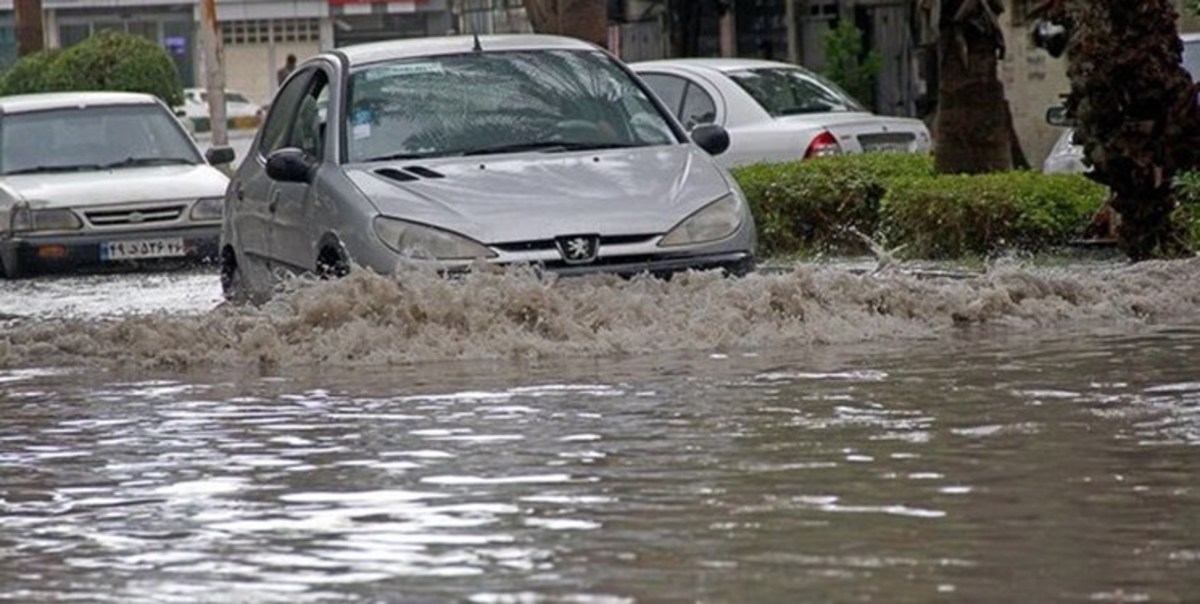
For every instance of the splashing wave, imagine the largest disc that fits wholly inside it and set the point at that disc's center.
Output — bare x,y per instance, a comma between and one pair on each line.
415,317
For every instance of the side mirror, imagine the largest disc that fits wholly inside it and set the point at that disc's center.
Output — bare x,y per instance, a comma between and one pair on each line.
711,138
219,155
1050,37
289,165
1057,116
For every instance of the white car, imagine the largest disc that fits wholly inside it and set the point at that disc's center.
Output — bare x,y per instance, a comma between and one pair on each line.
102,178
240,112
775,111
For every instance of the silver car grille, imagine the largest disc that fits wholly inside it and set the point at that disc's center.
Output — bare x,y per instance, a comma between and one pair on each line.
548,244
135,216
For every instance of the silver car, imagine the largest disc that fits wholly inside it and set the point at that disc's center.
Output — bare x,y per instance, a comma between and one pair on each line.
102,178
445,152
776,112
1066,156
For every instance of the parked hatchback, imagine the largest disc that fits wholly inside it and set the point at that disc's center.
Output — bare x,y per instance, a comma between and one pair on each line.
102,178
445,152
776,111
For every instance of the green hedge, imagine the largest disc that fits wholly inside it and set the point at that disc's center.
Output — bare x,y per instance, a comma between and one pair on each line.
106,61
808,207
952,216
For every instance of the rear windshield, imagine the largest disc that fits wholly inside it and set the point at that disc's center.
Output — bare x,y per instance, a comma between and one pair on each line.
472,103
792,91
90,138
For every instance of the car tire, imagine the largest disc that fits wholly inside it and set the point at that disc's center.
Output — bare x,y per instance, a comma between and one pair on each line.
233,281
7,272
332,264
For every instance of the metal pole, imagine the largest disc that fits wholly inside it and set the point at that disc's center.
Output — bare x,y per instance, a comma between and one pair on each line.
27,17
793,32
214,73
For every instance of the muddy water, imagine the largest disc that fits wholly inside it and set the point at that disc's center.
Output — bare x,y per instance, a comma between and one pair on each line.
819,435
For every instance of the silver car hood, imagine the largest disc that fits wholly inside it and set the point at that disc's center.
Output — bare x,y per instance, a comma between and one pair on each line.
125,185
531,196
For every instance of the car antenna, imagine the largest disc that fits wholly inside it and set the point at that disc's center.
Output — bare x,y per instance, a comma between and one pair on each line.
478,46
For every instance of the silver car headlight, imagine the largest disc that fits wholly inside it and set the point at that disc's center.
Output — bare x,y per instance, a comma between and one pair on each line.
25,220
423,242
713,222
208,208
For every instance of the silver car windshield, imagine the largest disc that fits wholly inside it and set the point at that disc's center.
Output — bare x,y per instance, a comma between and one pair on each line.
481,103
92,138
789,91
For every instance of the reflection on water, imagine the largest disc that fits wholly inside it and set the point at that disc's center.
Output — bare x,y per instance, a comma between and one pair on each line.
1021,468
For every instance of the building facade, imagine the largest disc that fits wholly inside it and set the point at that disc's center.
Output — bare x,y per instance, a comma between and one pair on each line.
257,35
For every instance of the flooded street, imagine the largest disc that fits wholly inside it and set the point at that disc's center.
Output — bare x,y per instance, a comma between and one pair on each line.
810,435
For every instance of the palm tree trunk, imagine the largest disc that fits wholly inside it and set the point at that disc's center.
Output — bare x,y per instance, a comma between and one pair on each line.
972,126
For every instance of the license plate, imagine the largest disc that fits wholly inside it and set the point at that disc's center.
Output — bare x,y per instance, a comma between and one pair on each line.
886,148
134,249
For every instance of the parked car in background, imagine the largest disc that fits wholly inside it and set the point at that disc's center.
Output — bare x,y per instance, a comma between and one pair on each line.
775,111
1065,156
102,178
444,152
240,112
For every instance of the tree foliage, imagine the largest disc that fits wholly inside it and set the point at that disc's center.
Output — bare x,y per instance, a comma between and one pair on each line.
849,65
106,61
1135,111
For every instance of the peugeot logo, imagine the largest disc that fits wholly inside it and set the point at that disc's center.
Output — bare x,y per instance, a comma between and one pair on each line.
578,249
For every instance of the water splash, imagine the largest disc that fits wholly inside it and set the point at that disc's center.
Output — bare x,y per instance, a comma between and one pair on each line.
417,317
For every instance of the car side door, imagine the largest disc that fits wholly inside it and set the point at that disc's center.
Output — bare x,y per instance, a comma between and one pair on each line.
252,191
294,231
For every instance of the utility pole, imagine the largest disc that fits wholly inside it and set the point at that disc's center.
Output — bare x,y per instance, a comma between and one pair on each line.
27,15
214,73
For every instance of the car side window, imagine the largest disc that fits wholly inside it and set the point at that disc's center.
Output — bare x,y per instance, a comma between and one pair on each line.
669,88
698,107
279,119
308,131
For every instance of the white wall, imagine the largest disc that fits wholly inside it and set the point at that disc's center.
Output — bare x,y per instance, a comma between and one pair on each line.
248,67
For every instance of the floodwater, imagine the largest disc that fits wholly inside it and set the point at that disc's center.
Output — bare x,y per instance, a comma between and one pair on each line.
1026,434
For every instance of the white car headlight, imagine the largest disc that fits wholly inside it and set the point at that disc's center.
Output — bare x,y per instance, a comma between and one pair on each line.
25,220
208,208
423,242
713,222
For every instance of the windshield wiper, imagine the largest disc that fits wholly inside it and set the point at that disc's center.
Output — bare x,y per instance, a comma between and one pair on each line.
147,161
547,146
59,168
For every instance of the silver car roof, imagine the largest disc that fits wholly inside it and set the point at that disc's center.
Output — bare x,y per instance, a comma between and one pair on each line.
716,64
361,54
22,103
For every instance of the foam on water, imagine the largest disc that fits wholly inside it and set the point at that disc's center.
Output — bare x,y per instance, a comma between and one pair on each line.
415,317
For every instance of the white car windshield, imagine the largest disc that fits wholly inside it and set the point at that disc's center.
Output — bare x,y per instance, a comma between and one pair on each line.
481,103
789,91
92,138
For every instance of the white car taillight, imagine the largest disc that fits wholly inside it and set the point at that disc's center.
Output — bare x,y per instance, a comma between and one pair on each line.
823,145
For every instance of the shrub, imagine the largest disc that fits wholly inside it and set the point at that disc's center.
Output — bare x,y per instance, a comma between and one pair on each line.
808,206
106,61
28,75
951,216
849,65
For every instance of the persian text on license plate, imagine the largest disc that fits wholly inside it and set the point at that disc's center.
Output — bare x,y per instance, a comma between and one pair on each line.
134,249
